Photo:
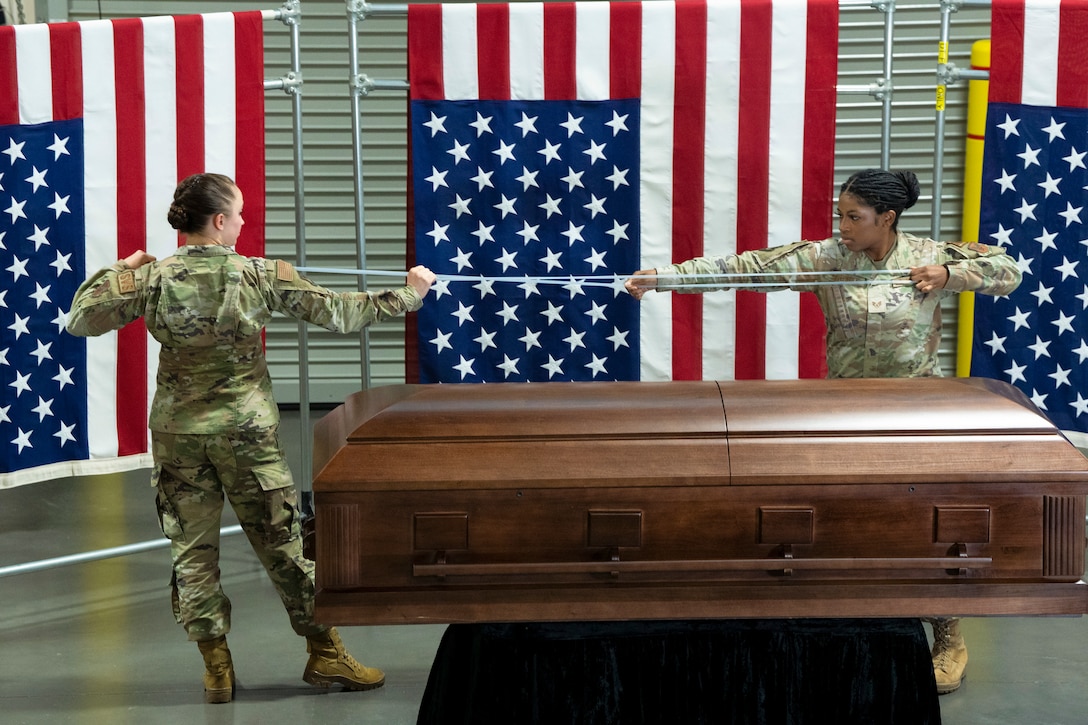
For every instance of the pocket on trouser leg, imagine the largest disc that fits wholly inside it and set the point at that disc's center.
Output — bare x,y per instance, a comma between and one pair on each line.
278,502
168,517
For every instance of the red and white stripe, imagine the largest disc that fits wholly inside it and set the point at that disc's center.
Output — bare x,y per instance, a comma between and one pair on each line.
160,98
737,149
1037,53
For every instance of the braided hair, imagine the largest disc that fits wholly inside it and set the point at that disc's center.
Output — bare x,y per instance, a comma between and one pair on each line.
198,198
884,190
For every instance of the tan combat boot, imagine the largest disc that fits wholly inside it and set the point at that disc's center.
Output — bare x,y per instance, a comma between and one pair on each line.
949,655
218,670
329,662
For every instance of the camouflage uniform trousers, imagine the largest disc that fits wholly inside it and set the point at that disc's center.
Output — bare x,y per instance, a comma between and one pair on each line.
192,473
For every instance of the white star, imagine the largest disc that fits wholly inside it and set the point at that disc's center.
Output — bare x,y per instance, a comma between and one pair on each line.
1040,347
22,440
4,356
439,233
550,152
19,326
1006,181
1080,405
463,313
997,344
1060,376
441,340
507,313
572,124
595,206
61,263
507,260
553,313
37,178
1029,155
461,259
1026,210
1002,236
1067,268
506,206
460,206
60,321
483,233
42,353
530,338
482,179
60,204
1075,158
553,366
574,339
486,339
1020,319
1054,130
550,205
595,152
21,383
437,124
509,367
38,237
529,286
1083,297
44,408
618,231
15,150
64,377
41,294
597,365
1064,323
618,123
441,287
464,367
573,233
1039,400
528,232
573,178
526,124
527,178
1050,186
16,210
552,260
1071,214
59,147
65,434
574,287
459,152
618,178
486,287
437,178
505,152
1009,126
1016,372
1042,294
481,124
618,338
1024,264
595,260
596,313
4,417
18,268
1082,351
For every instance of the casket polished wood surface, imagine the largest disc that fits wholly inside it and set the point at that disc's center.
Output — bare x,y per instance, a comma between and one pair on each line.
681,500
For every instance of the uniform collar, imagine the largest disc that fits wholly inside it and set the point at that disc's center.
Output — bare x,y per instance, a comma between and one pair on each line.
203,250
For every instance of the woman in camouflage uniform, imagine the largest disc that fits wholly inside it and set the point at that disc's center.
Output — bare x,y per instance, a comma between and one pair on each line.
873,331
214,421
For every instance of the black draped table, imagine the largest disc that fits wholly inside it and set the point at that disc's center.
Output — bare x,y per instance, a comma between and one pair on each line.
786,672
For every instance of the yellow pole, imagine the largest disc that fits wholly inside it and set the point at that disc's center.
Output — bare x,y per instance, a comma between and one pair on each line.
977,97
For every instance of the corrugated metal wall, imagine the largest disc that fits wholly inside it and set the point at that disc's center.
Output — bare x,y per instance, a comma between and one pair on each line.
334,361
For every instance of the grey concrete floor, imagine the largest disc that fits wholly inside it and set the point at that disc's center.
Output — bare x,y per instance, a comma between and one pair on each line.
96,642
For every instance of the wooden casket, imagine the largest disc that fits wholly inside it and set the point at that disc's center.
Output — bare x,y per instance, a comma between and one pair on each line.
686,500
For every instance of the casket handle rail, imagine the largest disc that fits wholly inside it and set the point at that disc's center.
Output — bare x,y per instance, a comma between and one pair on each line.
615,568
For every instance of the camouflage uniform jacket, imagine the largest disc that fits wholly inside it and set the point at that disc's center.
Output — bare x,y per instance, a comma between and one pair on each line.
873,330
207,306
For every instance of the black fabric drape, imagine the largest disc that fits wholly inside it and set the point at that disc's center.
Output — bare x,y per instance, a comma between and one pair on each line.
778,672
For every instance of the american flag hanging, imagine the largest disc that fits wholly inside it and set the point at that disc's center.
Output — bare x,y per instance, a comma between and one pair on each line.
579,140
98,122
1034,203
